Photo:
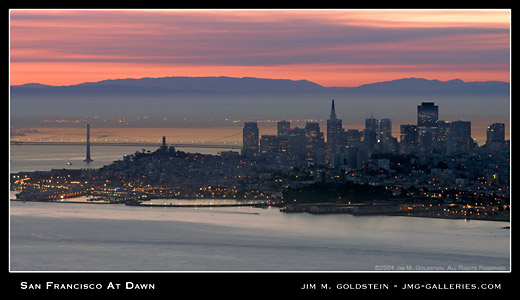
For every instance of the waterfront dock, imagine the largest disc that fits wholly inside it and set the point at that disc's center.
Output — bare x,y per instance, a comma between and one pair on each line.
142,204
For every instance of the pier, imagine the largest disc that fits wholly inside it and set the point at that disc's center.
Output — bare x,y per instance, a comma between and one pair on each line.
142,204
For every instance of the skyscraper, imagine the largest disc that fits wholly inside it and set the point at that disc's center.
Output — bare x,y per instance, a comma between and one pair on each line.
409,139
496,132
334,131
427,115
284,128
296,142
353,137
459,137
372,124
427,123
269,144
371,133
387,143
250,139
385,129
313,140
495,136
441,136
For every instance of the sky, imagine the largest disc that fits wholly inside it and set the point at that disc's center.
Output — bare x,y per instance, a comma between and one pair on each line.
328,47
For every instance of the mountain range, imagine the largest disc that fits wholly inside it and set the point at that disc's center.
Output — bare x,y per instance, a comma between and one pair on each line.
255,85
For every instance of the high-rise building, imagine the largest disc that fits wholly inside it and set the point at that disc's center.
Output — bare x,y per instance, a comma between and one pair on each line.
387,143
372,124
313,140
427,115
385,129
496,135
409,139
371,133
334,132
250,139
296,142
427,123
459,137
426,139
351,157
353,137
269,144
283,129
441,136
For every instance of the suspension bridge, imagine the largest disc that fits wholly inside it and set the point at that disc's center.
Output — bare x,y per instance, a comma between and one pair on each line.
149,144
102,137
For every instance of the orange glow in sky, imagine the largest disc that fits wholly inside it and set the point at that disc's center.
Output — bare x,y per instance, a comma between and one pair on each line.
328,47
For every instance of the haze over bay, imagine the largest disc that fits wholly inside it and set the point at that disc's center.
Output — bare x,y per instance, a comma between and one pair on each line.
219,101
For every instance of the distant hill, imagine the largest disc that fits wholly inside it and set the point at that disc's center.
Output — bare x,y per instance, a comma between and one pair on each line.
180,85
435,86
255,85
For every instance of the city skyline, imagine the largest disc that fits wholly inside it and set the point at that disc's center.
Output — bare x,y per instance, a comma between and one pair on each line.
330,47
429,135
384,125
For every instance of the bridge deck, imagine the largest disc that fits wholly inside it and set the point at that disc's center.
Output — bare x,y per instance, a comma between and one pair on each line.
178,145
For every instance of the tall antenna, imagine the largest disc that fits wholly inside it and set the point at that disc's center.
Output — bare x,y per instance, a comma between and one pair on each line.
88,159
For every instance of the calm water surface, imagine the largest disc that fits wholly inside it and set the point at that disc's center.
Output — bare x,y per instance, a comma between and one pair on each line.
55,236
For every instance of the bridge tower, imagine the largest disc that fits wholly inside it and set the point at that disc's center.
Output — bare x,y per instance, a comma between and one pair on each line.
88,159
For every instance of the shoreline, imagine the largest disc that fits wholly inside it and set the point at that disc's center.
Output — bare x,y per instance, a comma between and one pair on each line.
458,218
390,214
385,209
